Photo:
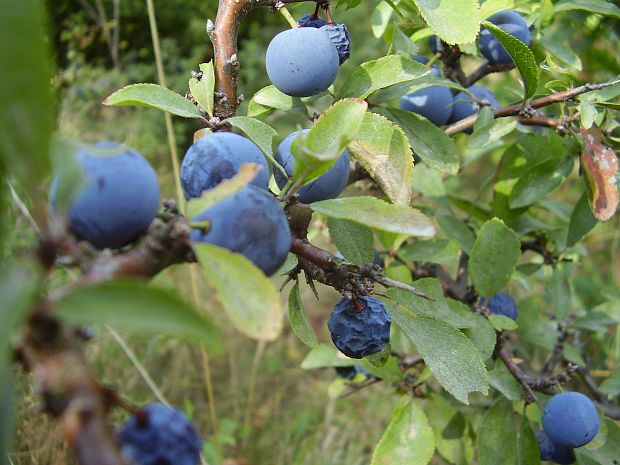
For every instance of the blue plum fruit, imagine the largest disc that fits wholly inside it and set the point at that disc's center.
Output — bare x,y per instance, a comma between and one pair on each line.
120,198
159,435
327,186
511,22
216,157
554,452
359,328
495,52
302,62
433,103
435,43
340,37
252,223
501,304
312,21
570,419
464,105
508,17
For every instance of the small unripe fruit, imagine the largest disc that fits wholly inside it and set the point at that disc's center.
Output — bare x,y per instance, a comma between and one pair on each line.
570,419
120,199
216,157
327,186
302,62
252,223
359,327
159,435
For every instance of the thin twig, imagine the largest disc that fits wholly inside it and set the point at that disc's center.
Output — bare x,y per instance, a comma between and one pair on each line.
516,109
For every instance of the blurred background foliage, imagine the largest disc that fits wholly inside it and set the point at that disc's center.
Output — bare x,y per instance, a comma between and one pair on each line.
270,411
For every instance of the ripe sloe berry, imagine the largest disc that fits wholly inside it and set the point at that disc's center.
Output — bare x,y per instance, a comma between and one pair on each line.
501,304
550,451
252,223
159,435
359,333
311,21
216,157
327,186
120,199
511,22
302,62
570,419
433,103
352,371
340,37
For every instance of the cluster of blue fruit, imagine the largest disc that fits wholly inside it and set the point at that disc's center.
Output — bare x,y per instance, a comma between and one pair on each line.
159,435
121,196
569,420
304,61
437,104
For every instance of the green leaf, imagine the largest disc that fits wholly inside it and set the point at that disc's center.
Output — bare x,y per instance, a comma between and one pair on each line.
561,52
601,7
490,7
261,134
133,305
502,323
539,181
203,89
27,116
354,241
226,188
153,96
529,453
378,74
522,56
408,438
249,298
481,333
456,229
300,323
437,307
271,98
402,44
317,151
442,251
389,371
607,454
384,152
582,221
501,426
455,21
486,134
429,142
493,257
452,438
452,358
505,383
377,214
324,356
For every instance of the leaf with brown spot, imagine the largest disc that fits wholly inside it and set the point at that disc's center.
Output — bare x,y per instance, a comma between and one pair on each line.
600,165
